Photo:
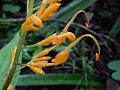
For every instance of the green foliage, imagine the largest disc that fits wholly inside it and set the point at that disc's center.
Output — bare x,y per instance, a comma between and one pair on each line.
11,8
115,29
5,61
58,79
115,66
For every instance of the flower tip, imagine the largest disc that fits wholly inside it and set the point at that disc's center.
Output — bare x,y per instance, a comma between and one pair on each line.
86,25
97,57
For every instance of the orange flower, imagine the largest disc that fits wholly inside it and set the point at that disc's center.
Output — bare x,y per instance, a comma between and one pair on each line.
50,1
37,70
57,39
52,8
41,64
42,53
61,57
97,56
44,58
48,40
61,38
32,23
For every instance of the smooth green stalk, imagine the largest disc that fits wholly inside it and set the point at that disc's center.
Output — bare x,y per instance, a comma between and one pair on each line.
23,33
71,21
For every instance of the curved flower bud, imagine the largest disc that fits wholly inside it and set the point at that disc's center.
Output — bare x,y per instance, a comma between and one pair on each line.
32,23
62,37
61,57
80,38
85,20
37,70
52,8
48,40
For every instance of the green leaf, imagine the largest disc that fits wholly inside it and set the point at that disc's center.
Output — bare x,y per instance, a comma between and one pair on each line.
5,61
11,8
116,75
57,79
114,65
116,28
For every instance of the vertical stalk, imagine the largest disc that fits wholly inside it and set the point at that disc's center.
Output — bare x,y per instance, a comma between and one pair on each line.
23,33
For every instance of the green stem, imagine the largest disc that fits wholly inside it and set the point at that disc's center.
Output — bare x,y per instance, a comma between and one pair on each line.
13,69
23,33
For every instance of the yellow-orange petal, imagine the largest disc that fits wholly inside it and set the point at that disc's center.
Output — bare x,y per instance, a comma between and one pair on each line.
42,53
60,58
97,56
54,1
37,21
70,36
27,22
37,70
59,40
40,11
44,58
44,1
48,40
51,9
41,64
9,87
48,17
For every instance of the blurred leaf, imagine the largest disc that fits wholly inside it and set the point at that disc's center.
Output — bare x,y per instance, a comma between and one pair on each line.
114,65
11,8
6,0
5,61
115,29
57,79
116,75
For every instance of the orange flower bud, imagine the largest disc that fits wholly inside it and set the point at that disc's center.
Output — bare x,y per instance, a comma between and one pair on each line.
44,58
37,70
54,1
48,40
40,11
50,1
60,58
97,56
70,36
37,21
51,9
61,38
32,23
42,53
41,64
